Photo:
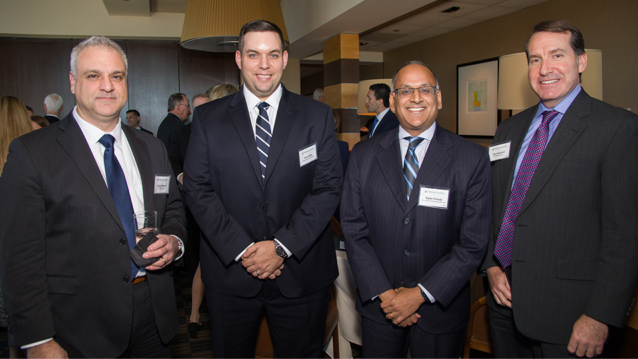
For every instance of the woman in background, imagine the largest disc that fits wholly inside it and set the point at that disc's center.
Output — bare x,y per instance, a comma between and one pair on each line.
14,122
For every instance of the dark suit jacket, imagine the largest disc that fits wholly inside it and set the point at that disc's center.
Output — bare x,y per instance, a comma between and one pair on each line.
388,122
170,123
178,144
576,238
65,263
145,130
393,243
223,184
51,119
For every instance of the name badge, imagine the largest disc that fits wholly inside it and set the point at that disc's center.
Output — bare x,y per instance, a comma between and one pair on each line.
433,197
162,184
307,154
499,151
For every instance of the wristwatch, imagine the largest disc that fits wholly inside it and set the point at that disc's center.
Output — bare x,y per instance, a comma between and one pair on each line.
280,250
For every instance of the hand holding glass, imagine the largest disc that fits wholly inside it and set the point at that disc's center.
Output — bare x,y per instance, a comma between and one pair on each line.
146,222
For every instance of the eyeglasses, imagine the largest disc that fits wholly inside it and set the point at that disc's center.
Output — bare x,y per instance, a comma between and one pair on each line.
189,106
423,91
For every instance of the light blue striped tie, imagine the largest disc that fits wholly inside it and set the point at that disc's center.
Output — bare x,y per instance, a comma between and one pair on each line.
411,165
263,135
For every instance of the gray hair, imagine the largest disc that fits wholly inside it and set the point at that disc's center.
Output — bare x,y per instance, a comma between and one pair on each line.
414,62
54,102
95,41
318,93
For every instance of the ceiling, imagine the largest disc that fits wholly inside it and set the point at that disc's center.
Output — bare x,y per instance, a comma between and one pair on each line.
382,26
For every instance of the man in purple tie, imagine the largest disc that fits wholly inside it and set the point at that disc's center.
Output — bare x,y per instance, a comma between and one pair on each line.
563,257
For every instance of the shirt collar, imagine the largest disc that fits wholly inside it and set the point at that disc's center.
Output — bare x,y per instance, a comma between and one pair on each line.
427,134
383,113
252,101
93,134
562,106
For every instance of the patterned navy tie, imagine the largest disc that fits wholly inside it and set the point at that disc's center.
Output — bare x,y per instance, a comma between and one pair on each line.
411,164
263,135
119,192
503,247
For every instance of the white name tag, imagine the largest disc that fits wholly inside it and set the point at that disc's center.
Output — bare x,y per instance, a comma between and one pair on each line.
500,151
433,197
162,184
307,155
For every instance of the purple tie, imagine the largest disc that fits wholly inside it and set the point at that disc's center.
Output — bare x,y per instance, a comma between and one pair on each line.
503,247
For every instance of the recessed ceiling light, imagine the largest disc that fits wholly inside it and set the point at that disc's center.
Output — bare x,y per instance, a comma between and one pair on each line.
451,10
362,43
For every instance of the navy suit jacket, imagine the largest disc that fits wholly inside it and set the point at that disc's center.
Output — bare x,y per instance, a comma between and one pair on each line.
170,123
393,243
575,246
223,184
65,263
388,122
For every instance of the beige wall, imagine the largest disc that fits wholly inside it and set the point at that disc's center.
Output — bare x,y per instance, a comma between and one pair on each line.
609,25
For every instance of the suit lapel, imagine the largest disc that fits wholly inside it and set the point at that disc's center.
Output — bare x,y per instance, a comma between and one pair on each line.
568,131
436,160
286,115
389,160
74,143
143,160
240,118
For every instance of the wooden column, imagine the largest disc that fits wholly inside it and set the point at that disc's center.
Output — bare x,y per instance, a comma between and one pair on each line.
341,83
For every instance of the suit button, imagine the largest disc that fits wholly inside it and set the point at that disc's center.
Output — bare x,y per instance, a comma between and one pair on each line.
261,205
125,279
402,283
122,241
265,238
407,252
406,221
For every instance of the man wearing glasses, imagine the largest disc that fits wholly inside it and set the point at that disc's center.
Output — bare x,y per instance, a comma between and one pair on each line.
416,217
178,111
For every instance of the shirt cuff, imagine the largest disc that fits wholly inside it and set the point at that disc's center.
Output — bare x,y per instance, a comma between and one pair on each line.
430,297
35,344
242,252
181,246
288,253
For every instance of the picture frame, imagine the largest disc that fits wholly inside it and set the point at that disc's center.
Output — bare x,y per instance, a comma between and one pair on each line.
477,113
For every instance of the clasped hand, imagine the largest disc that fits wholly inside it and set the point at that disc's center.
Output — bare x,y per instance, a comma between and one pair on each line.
400,305
262,261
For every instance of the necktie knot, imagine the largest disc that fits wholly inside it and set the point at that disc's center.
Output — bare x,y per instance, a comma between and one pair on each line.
414,142
263,106
548,116
107,141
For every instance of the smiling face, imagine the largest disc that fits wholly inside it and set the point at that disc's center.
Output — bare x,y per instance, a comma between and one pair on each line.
262,62
554,67
100,87
132,119
416,113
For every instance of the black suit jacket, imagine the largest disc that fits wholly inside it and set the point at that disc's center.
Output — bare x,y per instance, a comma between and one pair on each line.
393,243
65,264
178,144
170,123
52,119
576,237
223,184
388,122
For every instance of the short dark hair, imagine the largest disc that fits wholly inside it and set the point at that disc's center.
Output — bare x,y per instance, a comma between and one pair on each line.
134,111
260,26
174,100
29,108
382,91
576,40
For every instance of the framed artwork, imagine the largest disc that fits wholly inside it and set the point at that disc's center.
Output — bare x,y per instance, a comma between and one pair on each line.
477,85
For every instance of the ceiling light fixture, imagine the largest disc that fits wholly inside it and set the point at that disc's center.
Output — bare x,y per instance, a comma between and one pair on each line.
451,10
214,25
